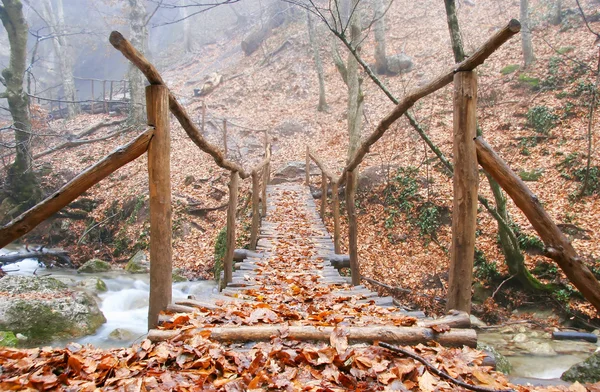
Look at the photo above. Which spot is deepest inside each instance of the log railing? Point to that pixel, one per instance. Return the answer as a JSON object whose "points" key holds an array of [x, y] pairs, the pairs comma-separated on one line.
{"points": [[469, 152], [155, 141]]}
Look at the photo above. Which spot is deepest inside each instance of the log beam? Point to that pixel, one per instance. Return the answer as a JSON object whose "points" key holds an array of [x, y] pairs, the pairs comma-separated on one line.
{"points": [[394, 335], [28, 220], [558, 247]]}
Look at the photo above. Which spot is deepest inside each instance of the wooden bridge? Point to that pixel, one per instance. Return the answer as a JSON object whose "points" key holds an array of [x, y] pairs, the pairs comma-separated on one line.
{"points": [[288, 289]]}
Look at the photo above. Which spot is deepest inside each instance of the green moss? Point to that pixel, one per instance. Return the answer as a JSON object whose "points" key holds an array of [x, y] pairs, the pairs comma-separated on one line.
{"points": [[529, 81], [509, 69], [8, 339], [220, 248], [502, 364], [94, 266], [565, 49], [100, 285], [533, 175], [541, 118], [587, 371], [38, 321]]}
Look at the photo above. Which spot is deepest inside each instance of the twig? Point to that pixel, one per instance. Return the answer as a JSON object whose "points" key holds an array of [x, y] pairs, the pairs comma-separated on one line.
{"points": [[501, 284], [438, 372], [94, 226], [401, 289]]}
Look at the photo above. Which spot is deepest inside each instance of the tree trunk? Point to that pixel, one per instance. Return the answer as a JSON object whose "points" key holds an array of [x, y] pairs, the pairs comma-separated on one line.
{"points": [[528, 56], [139, 39], [555, 16], [381, 65], [187, 30], [312, 36], [454, 27], [56, 20], [21, 182], [355, 95]]}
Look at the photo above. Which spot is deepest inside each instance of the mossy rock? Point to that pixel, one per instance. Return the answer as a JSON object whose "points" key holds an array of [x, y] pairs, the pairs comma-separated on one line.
{"points": [[8, 339], [178, 276], [121, 335], [48, 312], [94, 285], [138, 264], [587, 371], [502, 364], [94, 266]]}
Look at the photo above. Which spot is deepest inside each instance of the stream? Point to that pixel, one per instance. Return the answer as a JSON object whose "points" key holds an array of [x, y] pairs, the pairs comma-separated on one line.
{"points": [[533, 355]]}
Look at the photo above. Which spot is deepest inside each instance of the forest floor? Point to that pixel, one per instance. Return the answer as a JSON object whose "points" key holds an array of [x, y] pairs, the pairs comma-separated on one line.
{"points": [[400, 245]]}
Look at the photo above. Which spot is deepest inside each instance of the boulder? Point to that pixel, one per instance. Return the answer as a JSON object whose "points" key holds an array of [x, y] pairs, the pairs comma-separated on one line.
{"points": [[45, 310], [374, 176], [540, 349], [587, 371], [94, 266], [121, 335], [288, 128], [138, 264], [178, 276], [399, 63], [93, 285], [293, 172], [495, 359]]}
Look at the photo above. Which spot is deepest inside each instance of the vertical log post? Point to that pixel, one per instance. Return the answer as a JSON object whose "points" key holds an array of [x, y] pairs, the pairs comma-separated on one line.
{"points": [[266, 177], [352, 227], [93, 97], [335, 198], [307, 171], [464, 211], [125, 90], [203, 117], [51, 103], [159, 172], [255, 213], [323, 195], [104, 96], [225, 137], [110, 97], [233, 196]]}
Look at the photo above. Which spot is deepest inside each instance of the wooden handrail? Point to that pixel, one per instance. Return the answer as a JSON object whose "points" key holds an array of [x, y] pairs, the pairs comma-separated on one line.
{"points": [[121, 44], [469, 64], [320, 164], [28, 220], [558, 246], [255, 195]]}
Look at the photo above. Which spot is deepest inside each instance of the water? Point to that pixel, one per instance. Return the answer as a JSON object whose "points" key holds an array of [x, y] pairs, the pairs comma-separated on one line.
{"points": [[124, 304]]}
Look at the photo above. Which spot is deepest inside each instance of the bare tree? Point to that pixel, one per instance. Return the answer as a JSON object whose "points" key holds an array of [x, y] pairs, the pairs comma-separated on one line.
{"points": [[556, 12], [187, 31], [527, 44], [312, 36], [55, 18], [381, 62], [21, 181], [138, 22]]}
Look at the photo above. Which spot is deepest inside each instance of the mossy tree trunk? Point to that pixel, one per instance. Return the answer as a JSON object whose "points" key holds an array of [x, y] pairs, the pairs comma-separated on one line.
{"points": [[21, 181], [513, 256], [526, 41], [139, 39], [381, 65]]}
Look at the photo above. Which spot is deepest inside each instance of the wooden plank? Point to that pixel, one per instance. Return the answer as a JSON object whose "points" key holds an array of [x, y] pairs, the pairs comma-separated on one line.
{"points": [[159, 172], [231, 210], [558, 247], [28, 220], [394, 335], [464, 211]]}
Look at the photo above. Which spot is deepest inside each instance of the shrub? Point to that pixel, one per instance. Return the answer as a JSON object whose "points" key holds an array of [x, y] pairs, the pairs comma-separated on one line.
{"points": [[220, 248], [541, 118]]}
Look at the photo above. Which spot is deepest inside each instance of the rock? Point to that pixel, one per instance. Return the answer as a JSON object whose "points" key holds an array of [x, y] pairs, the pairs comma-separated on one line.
{"points": [[8, 339], [288, 128], [374, 176], [481, 293], [121, 335], [178, 276], [520, 338], [399, 63], [45, 310], [138, 264], [93, 285], [94, 266], [542, 349], [477, 323], [495, 359], [293, 172], [587, 371]]}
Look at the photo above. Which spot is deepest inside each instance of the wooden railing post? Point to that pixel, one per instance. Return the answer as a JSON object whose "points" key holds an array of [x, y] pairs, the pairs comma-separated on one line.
{"points": [[307, 171], [323, 195], [159, 171], [233, 197], [464, 211], [352, 227], [93, 97], [225, 137], [335, 198], [266, 177], [104, 96], [255, 213]]}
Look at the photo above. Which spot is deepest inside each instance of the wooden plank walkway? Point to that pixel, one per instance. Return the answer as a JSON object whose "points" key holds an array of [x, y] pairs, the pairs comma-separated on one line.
{"points": [[290, 287]]}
